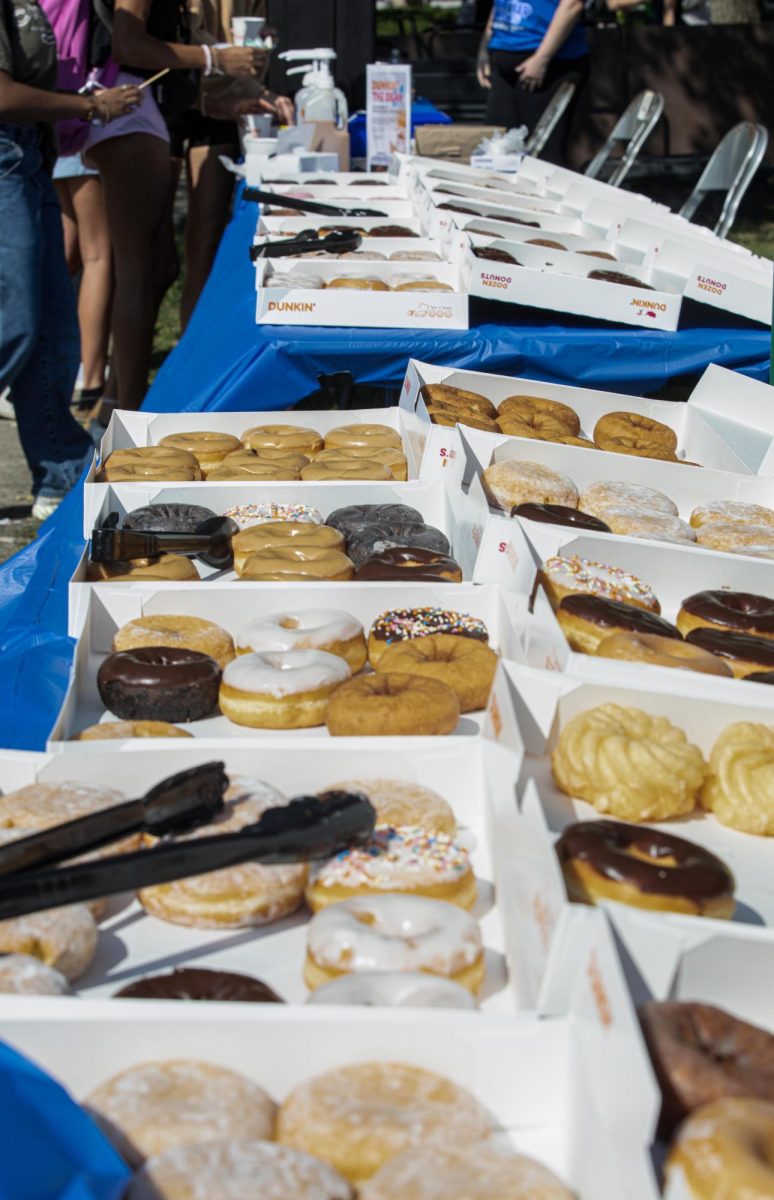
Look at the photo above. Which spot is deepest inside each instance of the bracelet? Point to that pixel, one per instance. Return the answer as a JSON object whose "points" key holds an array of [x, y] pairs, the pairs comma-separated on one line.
{"points": [[216, 67], [207, 59]]}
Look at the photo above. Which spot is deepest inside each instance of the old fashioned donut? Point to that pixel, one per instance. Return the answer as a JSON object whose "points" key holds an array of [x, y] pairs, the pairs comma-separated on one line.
{"points": [[274, 534], [159, 683], [358, 1117], [468, 666], [149, 462], [199, 983], [375, 540], [164, 567], [359, 283], [627, 763], [739, 788], [108, 730], [367, 933], [26, 975], [743, 652], [356, 517], [282, 437], [569, 576], [398, 625], [393, 989], [209, 449], [731, 512], [607, 860], [634, 523], [398, 802], [633, 430], [449, 417], [726, 1148], [363, 434], [168, 518], [297, 564], [188, 633], [281, 690], [587, 620], [701, 1054], [411, 563], [328, 629], [347, 468], [535, 408], [736, 538], [157, 1106], [62, 938], [618, 493], [513, 482], [656, 651], [246, 515], [560, 514], [738, 612], [454, 397], [392, 705], [478, 1172]]}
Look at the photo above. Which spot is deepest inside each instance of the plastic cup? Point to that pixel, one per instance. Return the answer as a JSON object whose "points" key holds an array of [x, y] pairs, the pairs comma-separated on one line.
{"points": [[246, 31]]}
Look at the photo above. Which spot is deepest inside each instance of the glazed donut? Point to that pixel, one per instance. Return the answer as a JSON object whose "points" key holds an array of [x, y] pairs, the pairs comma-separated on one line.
{"points": [[739, 789], [410, 932], [157, 1106], [393, 989], [237, 1170], [297, 564], [738, 612], [187, 633], [701, 1054], [656, 651], [297, 278], [607, 860], [209, 449], [347, 468], [629, 764], [414, 256], [258, 470], [245, 515], [360, 283], [560, 514], [164, 568], [560, 577], [744, 653], [356, 517], [198, 983], [588, 620], [41, 805], [24, 974], [232, 897], [630, 429], [534, 409], [454, 397], [358, 1117], [512, 482], [478, 1172], [737, 538], [400, 803], [168, 518], [392, 706], [615, 494], [374, 436], [149, 462], [630, 522], [107, 730], [159, 683], [287, 690], [726, 1148], [410, 563], [376, 539], [398, 625], [275, 534], [731, 512], [327, 629], [467, 666], [62, 938], [282, 437]]}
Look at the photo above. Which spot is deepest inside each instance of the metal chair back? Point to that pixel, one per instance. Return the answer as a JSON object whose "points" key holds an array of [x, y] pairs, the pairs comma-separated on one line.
{"points": [[731, 169], [550, 117], [631, 130]]}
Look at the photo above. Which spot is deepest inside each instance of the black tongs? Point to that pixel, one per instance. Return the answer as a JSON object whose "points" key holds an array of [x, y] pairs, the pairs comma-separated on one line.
{"points": [[307, 242], [210, 541], [309, 827], [310, 206]]}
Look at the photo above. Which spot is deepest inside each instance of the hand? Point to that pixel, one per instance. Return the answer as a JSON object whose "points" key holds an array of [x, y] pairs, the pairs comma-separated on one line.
{"points": [[532, 73], [238, 60], [280, 106], [116, 102], [484, 67]]}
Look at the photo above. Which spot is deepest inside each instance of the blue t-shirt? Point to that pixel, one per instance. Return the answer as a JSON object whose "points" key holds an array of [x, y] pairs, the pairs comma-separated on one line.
{"points": [[520, 25]]}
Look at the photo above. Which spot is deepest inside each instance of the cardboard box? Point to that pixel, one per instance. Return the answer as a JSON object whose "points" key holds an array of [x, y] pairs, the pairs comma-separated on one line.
{"points": [[742, 411], [453, 142], [276, 226]]}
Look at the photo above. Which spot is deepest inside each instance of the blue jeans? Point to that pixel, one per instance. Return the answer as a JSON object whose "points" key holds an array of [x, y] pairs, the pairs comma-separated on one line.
{"points": [[39, 338]]}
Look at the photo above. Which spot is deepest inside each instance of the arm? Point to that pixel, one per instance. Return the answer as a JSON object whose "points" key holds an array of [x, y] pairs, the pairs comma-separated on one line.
{"points": [[483, 68], [670, 12], [31, 105], [134, 46], [532, 71]]}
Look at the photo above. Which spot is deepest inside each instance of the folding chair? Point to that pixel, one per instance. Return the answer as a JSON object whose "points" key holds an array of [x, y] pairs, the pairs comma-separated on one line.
{"points": [[549, 118], [731, 169], [632, 128]]}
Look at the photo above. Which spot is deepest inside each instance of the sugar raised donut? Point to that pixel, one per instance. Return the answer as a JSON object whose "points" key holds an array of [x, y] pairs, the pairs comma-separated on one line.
{"points": [[328, 629], [739, 788], [731, 512], [513, 482], [26, 975], [107, 730], [281, 690], [656, 651], [482, 1171], [190, 633], [62, 938], [618, 493], [392, 706], [465, 664], [41, 805]]}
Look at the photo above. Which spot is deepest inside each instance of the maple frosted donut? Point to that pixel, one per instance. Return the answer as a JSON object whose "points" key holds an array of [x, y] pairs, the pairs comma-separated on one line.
{"points": [[726, 1149], [272, 534], [731, 512], [297, 564], [24, 974], [62, 938], [107, 730], [383, 705], [393, 989], [358, 1117], [408, 860], [466, 665], [394, 933], [164, 567], [376, 436], [246, 515], [347, 468], [149, 462], [484, 1171], [392, 458], [588, 620], [513, 482], [737, 612], [574, 575], [735, 537], [157, 1106], [289, 690], [398, 802], [617, 493], [328, 629], [209, 449], [427, 284], [656, 651], [397, 625], [257, 469], [282, 437], [190, 633], [633, 523], [293, 460]]}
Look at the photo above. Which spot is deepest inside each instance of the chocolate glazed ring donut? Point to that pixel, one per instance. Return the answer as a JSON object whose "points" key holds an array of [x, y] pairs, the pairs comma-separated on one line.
{"points": [[359, 516], [744, 653], [604, 615], [159, 683], [198, 983], [701, 1053], [739, 612], [168, 518], [491, 252], [375, 539], [619, 277], [411, 564], [559, 514]]}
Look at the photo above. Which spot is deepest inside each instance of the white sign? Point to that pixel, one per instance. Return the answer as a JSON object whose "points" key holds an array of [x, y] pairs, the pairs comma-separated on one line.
{"points": [[388, 108]]}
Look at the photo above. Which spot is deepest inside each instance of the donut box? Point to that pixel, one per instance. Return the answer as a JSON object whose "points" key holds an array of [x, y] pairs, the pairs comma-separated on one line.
{"points": [[277, 226], [393, 203], [732, 283]]}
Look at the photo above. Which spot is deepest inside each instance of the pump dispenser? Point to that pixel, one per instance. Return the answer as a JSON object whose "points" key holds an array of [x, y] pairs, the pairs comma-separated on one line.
{"points": [[319, 99]]}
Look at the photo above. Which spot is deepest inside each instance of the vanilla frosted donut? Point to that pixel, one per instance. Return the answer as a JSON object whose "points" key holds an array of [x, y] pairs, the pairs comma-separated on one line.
{"points": [[375, 436], [246, 515], [398, 802], [157, 1106], [207, 448], [514, 482], [272, 534], [617, 493], [394, 933], [571, 576], [347, 468], [393, 989], [485, 1171], [297, 564], [328, 629], [287, 690], [282, 437], [23, 974], [190, 633], [62, 938], [237, 1170], [164, 567], [731, 512]]}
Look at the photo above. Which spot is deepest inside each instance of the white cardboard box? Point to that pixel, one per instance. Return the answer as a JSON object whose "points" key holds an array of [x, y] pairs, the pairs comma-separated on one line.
{"points": [[276, 226]]}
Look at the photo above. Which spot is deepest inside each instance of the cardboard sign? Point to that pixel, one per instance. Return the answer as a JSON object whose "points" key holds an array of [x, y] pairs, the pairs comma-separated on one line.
{"points": [[388, 112]]}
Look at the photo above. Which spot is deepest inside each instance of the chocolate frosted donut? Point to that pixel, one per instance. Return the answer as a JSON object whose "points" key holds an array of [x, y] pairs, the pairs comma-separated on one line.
{"points": [[619, 277], [412, 564], [198, 983], [491, 252], [701, 1053], [516, 221], [587, 620], [545, 242], [356, 517], [374, 539], [760, 677], [159, 683], [560, 514], [459, 208], [744, 653], [168, 518], [739, 612], [392, 231]]}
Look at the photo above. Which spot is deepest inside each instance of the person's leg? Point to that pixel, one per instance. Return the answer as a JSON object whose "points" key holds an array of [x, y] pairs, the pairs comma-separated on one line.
{"points": [[96, 288], [574, 70], [512, 105], [69, 224], [209, 196], [505, 101]]}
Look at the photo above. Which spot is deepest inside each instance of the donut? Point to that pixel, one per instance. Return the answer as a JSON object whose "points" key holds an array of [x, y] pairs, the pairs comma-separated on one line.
{"points": [[360, 283], [744, 653], [454, 397], [549, 245], [560, 577], [107, 730], [209, 449], [237, 1169], [41, 805], [308, 280], [392, 706], [587, 620], [725, 1149], [26, 975], [410, 563], [415, 256], [702, 1054], [199, 983], [168, 518], [449, 417], [159, 683], [512, 482], [358, 1117], [372, 255], [294, 459], [62, 938], [536, 426], [297, 564], [272, 534], [281, 690], [656, 651], [627, 763], [245, 515], [534, 409], [560, 514], [607, 860], [760, 677], [282, 437], [569, 440], [374, 436], [738, 612], [627, 429], [620, 278], [347, 468], [157, 1106], [640, 447], [187, 633], [479, 1172], [327, 629], [739, 789], [393, 989], [149, 462], [731, 512], [491, 253], [617, 493], [400, 803], [737, 538], [397, 625], [633, 523], [391, 231], [410, 932], [344, 455], [426, 284], [376, 539], [356, 517], [598, 254], [258, 470], [164, 567], [466, 665]]}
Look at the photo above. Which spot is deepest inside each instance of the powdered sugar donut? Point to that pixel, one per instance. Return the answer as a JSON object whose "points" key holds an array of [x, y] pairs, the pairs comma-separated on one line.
{"points": [[633, 522], [399, 802], [246, 515], [23, 974], [62, 938], [41, 805], [514, 482], [328, 629], [287, 690], [731, 512], [617, 493], [480, 1172]]}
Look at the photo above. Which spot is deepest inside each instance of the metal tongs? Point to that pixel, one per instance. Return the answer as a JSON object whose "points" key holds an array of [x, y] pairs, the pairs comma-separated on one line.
{"points": [[309, 827], [210, 541], [307, 206], [307, 242]]}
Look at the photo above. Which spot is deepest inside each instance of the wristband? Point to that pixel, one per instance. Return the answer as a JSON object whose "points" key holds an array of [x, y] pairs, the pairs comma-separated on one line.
{"points": [[207, 59]]}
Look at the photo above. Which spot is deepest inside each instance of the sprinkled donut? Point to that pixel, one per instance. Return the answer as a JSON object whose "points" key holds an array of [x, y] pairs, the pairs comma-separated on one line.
{"points": [[562, 577], [402, 624], [287, 690], [246, 515], [328, 629]]}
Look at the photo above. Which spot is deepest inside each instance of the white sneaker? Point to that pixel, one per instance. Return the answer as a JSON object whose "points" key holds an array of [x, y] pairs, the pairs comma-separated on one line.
{"points": [[45, 506], [7, 410]]}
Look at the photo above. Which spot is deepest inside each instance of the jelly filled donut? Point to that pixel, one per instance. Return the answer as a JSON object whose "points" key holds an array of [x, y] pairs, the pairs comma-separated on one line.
{"points": [[289, 690], [513, 482], [24, 974], [744, 653], [327, 629], [107, 730], [653, 650], [560, 577], [392, 705], [737, 612], [159, 683], [410, 563], [398, 625], [468, 666], [607, 860], [587, 620], [393, 989]]}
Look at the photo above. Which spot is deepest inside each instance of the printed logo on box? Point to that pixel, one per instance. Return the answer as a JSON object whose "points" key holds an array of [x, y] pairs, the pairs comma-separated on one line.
{"points": [[508, 549], [495, 281], [711, 285], [430, 312], [447, 452], [543, 920], [296, 306], [648, 307], [599, 991], [475, 534], [552, 662], [496, 716]]}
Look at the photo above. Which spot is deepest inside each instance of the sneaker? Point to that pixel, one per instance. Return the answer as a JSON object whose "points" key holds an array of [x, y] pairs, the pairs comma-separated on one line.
{"points": [[58, 480], [45, 506], [7, 410]]}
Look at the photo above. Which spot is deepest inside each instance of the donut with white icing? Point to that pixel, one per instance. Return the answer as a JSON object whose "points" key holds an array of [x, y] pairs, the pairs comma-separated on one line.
{"points": [[329, 629], [393, 989], [570, 576], [284, 690]]}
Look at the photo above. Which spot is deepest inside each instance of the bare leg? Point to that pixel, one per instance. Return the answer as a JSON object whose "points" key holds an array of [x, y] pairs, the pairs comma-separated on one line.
{"points": [[209, 196], [69, 224], [97, 280]]}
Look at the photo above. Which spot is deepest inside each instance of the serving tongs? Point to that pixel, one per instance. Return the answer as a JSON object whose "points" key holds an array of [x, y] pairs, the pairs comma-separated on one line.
{"points": [[307, 206], [307, 242], [210, 541], [309, 827]]}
